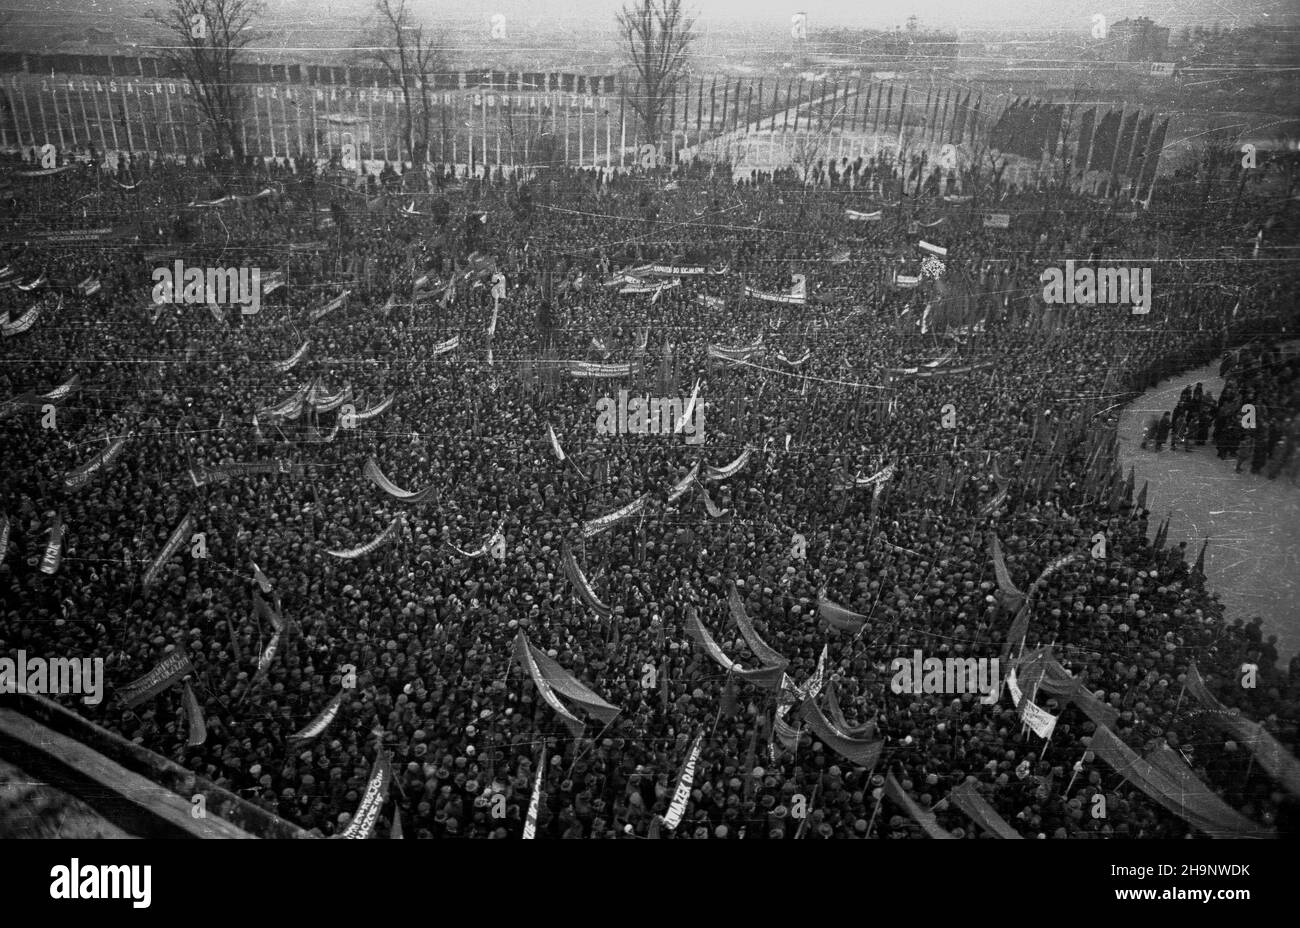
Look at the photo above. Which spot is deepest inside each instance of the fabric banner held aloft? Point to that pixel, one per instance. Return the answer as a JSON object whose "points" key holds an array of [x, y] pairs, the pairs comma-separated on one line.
{"points": [[995, 503], [710, 506], [609, 520], [1040, 721], [685, 780], [580, 583], [695, 628], [734, 355], [812, 687], [590, 369], [22, 323], [264, 611], [378, 409], [683, 270], [287, 409], [884, 475], [316, 727], [1040, 670], [53, 555], [487, 543], [1198, 805], [766, 677], [679, 489], [838, 617], [785, 733], [5, 527], [967, 798], [652, 287], [858, 216], [174, 542], [410, 497], [1018, 630], [198, 732], [534, 802], [289, 363], [442, 348], [727, 471], [862, 752], [1271, 753], [689, 411], [836, 717], [1002, 574], [555, 444], [266, 658], [327, 403], [568, 686], [363, 822], [1057, 565], [175, 666], [923, 817], [756, 645], [524, 654], [793, 298], [63, 390], [219, 473], [353, 553], [81, 476], [945, 371], [329, 307]]}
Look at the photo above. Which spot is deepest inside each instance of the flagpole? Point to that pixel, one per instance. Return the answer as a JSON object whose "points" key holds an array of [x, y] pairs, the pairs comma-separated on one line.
{"points": [[718, 716], [874, 813]]}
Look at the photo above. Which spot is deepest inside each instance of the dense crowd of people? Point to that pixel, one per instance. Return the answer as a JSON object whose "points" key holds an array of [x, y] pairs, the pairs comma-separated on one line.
{"points": [[1253, 421], [995, 440]]}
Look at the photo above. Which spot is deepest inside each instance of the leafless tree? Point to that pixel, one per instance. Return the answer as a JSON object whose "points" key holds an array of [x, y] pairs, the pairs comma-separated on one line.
{"points": [[211, 36], [525, 139], [399, 45], [806, 149], [996, 162], [658, 35]]}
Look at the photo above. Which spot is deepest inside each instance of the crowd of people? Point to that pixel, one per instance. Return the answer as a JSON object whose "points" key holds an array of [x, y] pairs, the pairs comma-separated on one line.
{"points": [[995, 440], [1253, 422]]}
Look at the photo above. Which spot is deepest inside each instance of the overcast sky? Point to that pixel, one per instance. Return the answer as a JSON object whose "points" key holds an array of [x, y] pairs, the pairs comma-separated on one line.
{"points": [[1025, 13], [326, 16]]}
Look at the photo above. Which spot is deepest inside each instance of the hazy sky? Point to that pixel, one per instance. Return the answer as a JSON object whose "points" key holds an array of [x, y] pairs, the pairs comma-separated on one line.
{"points": [[1025, 13], [323, 17]]}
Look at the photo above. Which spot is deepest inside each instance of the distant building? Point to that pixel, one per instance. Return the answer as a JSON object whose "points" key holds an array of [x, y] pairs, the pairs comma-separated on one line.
{"points": [[1137, 40], [864, 45]]}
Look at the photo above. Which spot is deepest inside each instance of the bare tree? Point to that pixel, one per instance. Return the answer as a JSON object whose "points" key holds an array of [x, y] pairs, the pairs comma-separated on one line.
{"points": [[396, 43], [658, 35], [212, 35], [807, 149], [525, 140]]}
